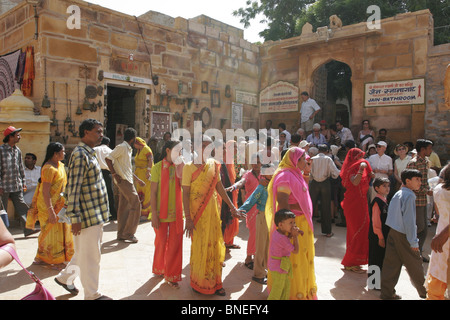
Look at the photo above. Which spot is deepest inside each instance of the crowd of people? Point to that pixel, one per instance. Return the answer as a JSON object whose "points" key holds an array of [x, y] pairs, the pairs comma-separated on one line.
{"points": [[379, 192]]}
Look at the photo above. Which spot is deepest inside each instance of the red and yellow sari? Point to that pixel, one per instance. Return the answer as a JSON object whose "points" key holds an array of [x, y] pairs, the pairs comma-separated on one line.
{"points": [[168, 259], [207, 248]]}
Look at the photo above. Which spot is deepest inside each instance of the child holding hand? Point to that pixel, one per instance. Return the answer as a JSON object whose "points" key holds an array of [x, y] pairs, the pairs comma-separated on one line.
{"points": [[259, 198], [280, 249]]}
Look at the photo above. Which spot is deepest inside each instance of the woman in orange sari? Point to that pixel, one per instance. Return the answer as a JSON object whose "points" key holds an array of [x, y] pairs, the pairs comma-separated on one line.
{"points": [[167, 218], [55, 242], [201, 183], [356, 174], [144, 163]]}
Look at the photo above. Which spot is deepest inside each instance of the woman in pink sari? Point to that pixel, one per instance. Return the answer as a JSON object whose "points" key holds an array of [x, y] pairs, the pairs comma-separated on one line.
{"points": [[250, 181], [356, 174], [288, 189]]}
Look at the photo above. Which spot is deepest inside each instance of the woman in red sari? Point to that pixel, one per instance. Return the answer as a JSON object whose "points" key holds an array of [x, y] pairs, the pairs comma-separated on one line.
{"points": [[356, 174]]}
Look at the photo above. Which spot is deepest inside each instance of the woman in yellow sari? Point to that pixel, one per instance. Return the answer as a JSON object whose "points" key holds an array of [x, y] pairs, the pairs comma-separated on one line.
{"points": [[55, 242], [288, 189], [201, 183], [144, 163]]}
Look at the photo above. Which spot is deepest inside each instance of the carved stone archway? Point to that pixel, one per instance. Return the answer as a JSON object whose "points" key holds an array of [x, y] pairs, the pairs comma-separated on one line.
{"points": [[332, 89]]}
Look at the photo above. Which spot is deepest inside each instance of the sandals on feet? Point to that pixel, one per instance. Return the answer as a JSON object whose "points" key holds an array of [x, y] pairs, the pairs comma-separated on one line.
{"points": [[221, 292], [249, 265], [173, 284], [260, 280], [71, 288], [356, 269], [129, 240]]}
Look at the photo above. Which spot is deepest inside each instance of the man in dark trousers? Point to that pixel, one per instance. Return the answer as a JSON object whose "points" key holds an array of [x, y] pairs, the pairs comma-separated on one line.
{"points": [[420, 162], [322, 169], [12, 175]]}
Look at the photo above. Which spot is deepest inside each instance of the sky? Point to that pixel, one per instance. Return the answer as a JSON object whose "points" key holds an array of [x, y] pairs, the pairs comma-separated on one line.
{"points": [[217, 9]]}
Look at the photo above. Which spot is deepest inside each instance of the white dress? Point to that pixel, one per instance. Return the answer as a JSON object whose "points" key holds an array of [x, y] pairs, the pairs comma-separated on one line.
{"points": [[438, 261]]}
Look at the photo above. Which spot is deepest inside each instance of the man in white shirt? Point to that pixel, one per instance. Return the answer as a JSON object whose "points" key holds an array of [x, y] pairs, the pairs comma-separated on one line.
{"points": [[308, 111], [322, 169], [102, 151], [129, 210], [282, 129], [344, 133], [381, 165], [32, 176]]}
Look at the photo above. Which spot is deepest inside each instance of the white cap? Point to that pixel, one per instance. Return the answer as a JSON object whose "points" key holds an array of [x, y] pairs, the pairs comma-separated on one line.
{"points": [[303, 144]]}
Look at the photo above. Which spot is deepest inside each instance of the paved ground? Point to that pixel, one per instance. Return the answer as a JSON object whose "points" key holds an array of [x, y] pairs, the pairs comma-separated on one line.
{"points": [[126, 271]]}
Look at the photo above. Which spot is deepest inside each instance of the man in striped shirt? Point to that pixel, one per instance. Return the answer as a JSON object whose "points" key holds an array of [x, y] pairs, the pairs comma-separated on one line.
{"points": [[87, 208]]}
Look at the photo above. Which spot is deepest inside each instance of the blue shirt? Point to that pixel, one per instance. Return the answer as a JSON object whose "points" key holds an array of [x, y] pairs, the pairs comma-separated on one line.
{"points": [[258, 197], [402, 215], [316, 141]]}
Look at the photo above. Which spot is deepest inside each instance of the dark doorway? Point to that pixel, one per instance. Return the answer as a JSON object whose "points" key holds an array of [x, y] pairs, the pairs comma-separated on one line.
{"points": [[333, 91], [121, 112]]}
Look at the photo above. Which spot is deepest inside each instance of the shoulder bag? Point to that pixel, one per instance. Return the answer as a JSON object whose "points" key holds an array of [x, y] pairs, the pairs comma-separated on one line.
{"points": [[39, 292]]}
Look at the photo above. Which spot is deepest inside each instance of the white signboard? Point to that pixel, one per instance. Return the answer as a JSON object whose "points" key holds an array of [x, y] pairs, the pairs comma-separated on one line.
{"points": [[121, 77], [246, 98], [279, 97], [237, 114], [394, 93]]}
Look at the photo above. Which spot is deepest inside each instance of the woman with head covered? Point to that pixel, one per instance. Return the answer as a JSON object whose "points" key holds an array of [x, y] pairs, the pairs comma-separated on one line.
{"points": [[201, 186], [288, 189], [356, 174]]}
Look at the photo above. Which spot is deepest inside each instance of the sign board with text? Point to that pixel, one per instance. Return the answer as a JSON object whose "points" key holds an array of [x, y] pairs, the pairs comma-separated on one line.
{"points": [[237, 115], [246, 98], [394, 93], [279, 97]]}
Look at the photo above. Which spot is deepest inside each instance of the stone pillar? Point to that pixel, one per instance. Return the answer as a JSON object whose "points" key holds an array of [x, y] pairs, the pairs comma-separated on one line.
{"points": [[17, 111]]}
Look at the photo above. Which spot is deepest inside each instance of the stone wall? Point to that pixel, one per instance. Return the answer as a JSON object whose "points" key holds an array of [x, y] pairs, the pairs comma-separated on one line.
{"points": [[6, 5], [437, 116], [16, 28], [183, 55], [399, 51], [218, 25]]}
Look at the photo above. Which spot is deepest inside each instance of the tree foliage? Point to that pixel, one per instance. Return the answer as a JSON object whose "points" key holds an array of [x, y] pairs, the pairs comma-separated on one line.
{"points": [[281, 16], [285, 18]]}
